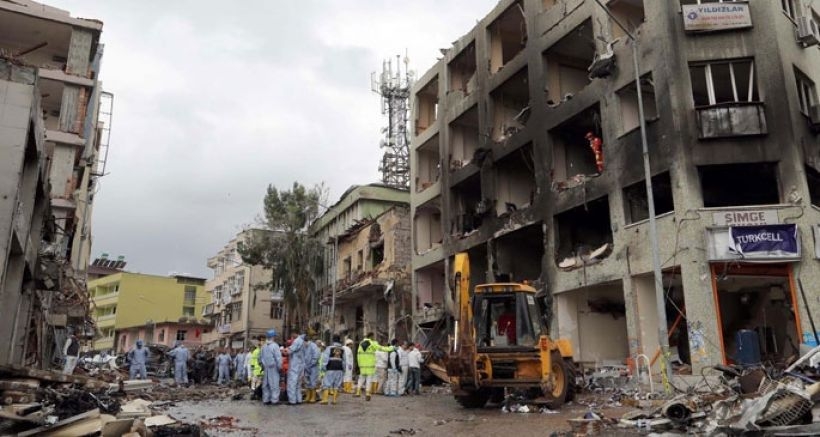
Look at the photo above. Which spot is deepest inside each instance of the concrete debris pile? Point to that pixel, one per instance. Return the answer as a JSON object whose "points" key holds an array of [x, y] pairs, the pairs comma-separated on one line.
{"points": [[46, 403]]}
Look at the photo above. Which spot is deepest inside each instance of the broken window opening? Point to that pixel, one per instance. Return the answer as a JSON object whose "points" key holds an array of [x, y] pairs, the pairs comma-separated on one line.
{"points": [[566, 64], [430, 287], [508, 36], [813, 179], [583, 234], [428, 170], [346, 268], [463, 71], [637, 205], [573, 153], [427, 106], [464, 139], [428, 229], [479, 267], [676, 323], [629, 12], [510, 106], [518, 255], [628, 99], [359, 261], [806, 93], [739, 184], [515, 180], [376, 255], [791, 8], [723, 82], [584, 314], [469, 206]]}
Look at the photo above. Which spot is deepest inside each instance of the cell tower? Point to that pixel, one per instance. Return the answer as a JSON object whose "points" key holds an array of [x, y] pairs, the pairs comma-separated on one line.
{"points": [[394, 88]]}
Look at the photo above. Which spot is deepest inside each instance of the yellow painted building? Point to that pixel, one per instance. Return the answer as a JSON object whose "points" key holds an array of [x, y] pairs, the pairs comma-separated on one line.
{"points": [[127, 300]]}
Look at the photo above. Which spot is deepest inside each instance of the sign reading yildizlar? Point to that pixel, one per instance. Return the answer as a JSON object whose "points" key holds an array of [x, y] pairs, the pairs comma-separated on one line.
{"points": [[745, 217], [716, 16]]}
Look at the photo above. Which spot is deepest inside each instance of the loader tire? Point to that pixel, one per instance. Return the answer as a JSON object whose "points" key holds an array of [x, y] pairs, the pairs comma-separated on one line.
{"points": [[476, 399], [560, 382]]}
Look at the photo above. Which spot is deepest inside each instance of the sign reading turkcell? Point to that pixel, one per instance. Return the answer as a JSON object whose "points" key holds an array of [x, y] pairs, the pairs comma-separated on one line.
{"points": [[716, 16], [764, 240]]}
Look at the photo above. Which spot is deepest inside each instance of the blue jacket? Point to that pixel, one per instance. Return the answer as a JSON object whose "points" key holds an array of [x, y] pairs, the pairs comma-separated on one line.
{"points": [[312, 354], [180, 354], [271, 356]]}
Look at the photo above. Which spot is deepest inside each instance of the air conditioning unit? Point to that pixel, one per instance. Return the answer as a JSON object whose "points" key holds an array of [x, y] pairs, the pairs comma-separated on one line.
{"points": [[807, 31], [814, 117]]}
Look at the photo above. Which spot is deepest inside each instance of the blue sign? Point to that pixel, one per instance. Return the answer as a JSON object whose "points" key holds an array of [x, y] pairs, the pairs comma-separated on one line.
{"points": [[764, 240]]}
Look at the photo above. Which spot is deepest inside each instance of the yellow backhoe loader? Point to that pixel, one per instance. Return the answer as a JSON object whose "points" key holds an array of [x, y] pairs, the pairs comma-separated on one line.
{"points": [[502, 342]]}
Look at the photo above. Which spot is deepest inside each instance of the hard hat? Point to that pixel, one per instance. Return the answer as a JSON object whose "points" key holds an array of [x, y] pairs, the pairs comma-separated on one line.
{"points": [[271, 333]]}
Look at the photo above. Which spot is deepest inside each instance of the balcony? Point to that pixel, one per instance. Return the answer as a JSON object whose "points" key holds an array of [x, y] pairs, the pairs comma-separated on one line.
{"points": [[731, 120]]}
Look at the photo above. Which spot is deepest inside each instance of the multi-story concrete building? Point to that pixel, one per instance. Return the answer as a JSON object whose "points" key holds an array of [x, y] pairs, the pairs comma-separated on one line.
{"points": [[367, 240], [503, 168], [127, 305], [50, 149], [242, 304]]}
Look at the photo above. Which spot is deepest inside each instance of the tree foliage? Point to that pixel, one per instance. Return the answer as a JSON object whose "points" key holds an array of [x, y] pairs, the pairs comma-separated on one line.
{"points": [[286, 248]]}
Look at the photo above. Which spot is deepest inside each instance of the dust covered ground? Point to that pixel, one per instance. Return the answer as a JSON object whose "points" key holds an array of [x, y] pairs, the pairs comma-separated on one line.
{"points": [[432, 413]]}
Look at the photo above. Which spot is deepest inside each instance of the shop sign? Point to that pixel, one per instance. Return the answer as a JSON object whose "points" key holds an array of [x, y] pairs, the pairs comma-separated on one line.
{"points": [[716, 16], [764, 240], [745, 217]]}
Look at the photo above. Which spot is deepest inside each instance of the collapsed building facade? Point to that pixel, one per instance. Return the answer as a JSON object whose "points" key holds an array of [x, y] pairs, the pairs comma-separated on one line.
{"points": [[366, 263], [526, 154], [53, 143]]}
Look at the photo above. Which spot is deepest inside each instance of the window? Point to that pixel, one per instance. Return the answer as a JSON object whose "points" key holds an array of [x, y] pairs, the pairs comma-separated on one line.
{"points": [[181, 335], [218, 294], [739, 184], [346, 267], [359, 260], [188, 311], [813, 179], [723, 82], [240, 281], [635, 201], [791, 8], [628, 99], [277, 311], [236, 310], [806, 93], [190, 295], [161, 337]]}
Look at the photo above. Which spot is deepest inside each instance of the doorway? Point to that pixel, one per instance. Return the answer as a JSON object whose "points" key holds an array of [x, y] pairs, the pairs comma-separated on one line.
{"points": [[761, 301]]}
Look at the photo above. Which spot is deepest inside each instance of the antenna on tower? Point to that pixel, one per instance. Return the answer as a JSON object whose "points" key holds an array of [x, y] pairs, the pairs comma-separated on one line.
{"points": [[394, 88]]}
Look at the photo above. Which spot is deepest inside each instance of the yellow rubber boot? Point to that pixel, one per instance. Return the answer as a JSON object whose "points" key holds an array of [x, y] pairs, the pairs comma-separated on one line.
{"points": [[367, 395], [348, 387], [325, 394], [374, 388], [335, 393], [358, 392], [313, 396]]}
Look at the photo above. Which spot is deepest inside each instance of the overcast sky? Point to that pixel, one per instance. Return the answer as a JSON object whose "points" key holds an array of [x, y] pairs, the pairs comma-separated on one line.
{"points": [[215, 100]]}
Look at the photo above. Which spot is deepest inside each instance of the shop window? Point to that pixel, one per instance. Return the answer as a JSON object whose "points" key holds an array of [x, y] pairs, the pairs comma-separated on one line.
{"points": [[635, 200], [739, 184], [510, 106], [468, 206], [628, 99], [566, 64], [428, 168], [582, 232], [427, 106], [508, 36], [806, 93], [813, 179], [462, 70], [463, 139], [629, 12], [723, 82], [515, 180], [518, 255], [572, 153]]}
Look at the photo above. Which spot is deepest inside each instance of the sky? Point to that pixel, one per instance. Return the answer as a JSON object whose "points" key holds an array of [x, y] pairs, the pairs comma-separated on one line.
{"points": [[215, 100]]}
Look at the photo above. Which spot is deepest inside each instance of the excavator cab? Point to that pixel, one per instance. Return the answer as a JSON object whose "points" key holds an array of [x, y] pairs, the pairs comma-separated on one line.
{"points": [[502, 342]]}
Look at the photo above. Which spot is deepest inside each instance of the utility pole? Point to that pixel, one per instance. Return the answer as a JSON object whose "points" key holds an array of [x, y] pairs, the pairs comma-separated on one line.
{"points": [[660, 296]]}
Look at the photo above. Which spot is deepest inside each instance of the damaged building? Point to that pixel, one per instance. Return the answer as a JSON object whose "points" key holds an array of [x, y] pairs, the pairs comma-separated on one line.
{"points": [[526, 154], [54, 126], [367, 263]]}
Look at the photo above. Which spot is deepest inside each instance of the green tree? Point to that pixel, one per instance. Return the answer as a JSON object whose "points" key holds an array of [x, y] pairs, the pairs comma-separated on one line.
{"points": [[293, 257]]}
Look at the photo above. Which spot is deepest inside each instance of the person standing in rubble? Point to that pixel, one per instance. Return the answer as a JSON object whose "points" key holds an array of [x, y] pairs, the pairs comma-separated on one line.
{"points": [[239, 366], [270, 358], [348, 377], [296, 365], [405, 368], [333, 364], [255, 366], [180, 355], [138, 356], [312, 356], [71, 351], [393, 370], [414, 361], [381, 372], [223, 364], [366, 357]]}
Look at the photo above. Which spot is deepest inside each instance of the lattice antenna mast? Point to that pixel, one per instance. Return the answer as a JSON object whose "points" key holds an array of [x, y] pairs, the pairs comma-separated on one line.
{"points": [[394, 88]]}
